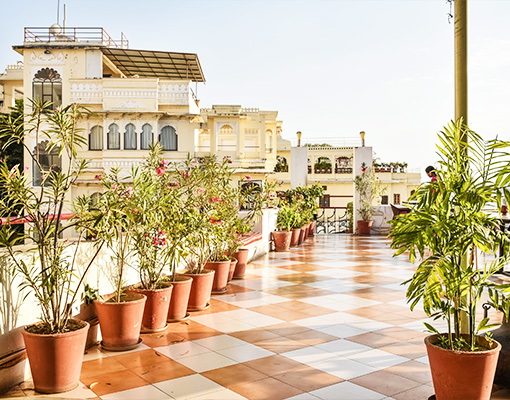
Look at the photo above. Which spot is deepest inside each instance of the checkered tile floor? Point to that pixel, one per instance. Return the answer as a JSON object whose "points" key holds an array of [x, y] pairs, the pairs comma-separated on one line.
{"points": [[327, 320]]}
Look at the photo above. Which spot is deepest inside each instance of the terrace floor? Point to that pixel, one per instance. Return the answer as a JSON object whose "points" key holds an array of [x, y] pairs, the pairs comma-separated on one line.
{"points": [[328, 320]]}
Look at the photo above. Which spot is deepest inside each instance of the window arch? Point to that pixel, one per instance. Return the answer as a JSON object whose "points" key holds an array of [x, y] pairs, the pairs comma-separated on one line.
{"points": [[49, 161], [130, 137], [47, 87], [227, 130], [269, 140], [96, 138], [168, 138], [146, 137], [113, 137]]}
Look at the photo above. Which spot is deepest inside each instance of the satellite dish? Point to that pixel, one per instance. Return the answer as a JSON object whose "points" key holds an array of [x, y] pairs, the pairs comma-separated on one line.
{"points": [[55, 29]]}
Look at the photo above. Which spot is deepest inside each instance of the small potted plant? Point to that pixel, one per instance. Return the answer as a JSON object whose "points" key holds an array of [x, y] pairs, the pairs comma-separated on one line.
{"points": [[284, 223], [369, 189], [445, 233]]}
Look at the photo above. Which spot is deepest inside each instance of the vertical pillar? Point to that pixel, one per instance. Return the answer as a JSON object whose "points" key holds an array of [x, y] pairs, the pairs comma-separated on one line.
{"points": [[361, 155], [298, 167]]}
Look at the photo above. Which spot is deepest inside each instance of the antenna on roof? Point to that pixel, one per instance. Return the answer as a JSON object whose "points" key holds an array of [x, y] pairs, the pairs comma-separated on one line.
{"points": [[58, 11]]}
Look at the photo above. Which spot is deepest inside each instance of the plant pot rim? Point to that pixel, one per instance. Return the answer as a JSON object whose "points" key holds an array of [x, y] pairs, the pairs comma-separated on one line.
{"points": [[203, 272], [136, 287], [431, 340], [84, 325], [135, 297]]}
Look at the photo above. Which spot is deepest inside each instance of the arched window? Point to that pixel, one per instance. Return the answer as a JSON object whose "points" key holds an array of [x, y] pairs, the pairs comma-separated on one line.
{"points": [[113, 137], [146, 137], [47, 86], [269, 141], [96, 138], [281, 164], [168, 138], [227, 130], [130, 137], [49, 161]]}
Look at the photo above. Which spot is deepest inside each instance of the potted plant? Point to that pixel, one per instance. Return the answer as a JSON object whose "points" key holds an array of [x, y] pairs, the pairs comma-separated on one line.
{"points": [[445, 232], [284, 222], [113, 221], [55, 345], [157, 217], [369, 189], [349, 210], [88, 313]]}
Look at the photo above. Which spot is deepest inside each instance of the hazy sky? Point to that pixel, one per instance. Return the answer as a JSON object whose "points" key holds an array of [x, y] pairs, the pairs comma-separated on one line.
{"points": [[330, 68]]}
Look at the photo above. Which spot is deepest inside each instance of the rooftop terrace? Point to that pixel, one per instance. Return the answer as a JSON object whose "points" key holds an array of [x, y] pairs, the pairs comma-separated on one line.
{"points": [[327, 320]]}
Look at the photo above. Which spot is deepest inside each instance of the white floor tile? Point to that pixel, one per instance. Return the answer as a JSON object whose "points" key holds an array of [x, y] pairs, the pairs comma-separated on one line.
{"points": [[224, 394], [245, 352], [181, 350], [144, 392], [378, 359], [346, 391], [188, 387], [206, 362], [219, 342], [343, 368]]}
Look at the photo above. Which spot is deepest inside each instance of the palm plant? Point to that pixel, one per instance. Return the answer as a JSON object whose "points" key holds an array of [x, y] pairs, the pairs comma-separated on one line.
{"points": [[49, 271], [448, 229]]}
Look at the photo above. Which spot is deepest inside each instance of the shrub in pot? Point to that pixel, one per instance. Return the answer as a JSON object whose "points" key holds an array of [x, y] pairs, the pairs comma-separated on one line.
{"points": [[112, 220], [284, 222], [445, 232], [369, 189], [55, 345]]}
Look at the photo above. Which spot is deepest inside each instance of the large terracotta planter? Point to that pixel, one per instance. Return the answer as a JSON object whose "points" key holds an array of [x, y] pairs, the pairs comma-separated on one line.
{"points": [[156, 306], [233, 264], [221, 270], [364, 227], [179, 300], [294, 240], [311, 231], [282, 240], [462, 375], [242, 259], [502, 335], [120, 323], [201, 288], [55, 359], [13, 359]]}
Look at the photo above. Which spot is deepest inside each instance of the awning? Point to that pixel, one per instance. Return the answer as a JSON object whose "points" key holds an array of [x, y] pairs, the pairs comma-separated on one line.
{"points": [[156, 64]]}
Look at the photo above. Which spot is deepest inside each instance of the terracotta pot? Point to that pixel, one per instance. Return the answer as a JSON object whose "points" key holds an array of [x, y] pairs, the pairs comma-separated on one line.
{"points": [[233, 264], [242, 259], [120, 323], [88, 313], [302, 234], [462, 375], [311, 231], [364, 227], [282, 240], [221, 270], [294, 240], [179, 299], [201, 288], [55, 359], [156, 306], [13, 359]]}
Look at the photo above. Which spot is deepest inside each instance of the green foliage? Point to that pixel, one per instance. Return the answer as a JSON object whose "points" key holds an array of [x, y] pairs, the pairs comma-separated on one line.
{"points": [[350, 215], [286, 218], [369, 189], [448, 228], [304, 202], [49, 272]]}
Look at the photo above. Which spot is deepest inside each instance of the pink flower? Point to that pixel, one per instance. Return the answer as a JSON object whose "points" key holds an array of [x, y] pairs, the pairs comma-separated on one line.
{"points": [[214, 199], [115, 187], [164, 163], [155, 241], [163, 242], [219, 222], [212, 220], [248, 177], [160, 171], [97, 177], [43, 176], [26, 168], [201, 191]]}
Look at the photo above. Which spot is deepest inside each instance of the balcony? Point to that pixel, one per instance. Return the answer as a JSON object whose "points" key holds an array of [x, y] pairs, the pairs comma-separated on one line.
{"points": [[146, 94], [55, 34]]}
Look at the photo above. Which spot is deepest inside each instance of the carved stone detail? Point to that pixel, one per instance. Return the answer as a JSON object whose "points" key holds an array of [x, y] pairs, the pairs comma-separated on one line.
{"points": [[47, 59], [130, 104], [89, 93]]}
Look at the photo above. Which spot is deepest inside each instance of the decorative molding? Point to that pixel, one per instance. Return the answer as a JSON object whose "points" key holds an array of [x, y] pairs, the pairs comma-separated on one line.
{"points": [[173, 94], [130, 104], [47, 59], [130, 93], [87, 93], [233, 124]]}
